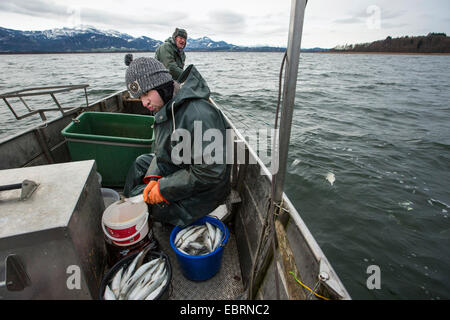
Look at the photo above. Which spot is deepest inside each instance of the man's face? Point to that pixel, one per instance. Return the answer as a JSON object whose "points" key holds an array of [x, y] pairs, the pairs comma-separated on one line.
{"points": [[180, 42], [152, 101]]}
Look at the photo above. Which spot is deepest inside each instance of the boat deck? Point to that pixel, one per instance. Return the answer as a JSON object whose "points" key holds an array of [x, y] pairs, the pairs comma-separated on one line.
{"points": [[225, 285]]}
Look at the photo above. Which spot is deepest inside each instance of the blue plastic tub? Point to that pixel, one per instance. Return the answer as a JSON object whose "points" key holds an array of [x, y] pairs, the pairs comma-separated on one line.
{"points": [[200, 268]]}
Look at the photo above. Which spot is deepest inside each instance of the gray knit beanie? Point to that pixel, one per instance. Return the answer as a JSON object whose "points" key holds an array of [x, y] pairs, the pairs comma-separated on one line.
{"points": [[144, 74]]}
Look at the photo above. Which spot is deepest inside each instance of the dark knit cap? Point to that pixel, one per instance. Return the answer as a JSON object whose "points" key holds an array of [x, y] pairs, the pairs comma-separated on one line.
{"points": [[144, 74], [179, 33]]}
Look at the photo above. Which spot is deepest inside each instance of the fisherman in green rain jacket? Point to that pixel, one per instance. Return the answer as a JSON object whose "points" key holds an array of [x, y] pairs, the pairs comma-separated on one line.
{"points": [[171, 53], [182, 181]]}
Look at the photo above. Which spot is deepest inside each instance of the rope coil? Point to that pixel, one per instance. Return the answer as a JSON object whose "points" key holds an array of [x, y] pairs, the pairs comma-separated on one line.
{"points": [[306, 287]]}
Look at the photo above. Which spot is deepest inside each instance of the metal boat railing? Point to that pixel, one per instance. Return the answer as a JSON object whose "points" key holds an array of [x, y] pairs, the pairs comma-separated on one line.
{"points": [[38, 91]]}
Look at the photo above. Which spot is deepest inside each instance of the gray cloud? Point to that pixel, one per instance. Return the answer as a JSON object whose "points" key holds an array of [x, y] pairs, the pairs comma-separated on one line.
{"points": [[360, 16], [226, 17], [48, 9], [226, 21], [37, 8], [385, 14], [123, 20]]}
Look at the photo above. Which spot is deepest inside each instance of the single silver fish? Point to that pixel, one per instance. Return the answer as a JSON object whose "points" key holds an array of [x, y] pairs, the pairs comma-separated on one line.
{"points": [[217, 239], [115, 284], [130, 270], [109, 295], [211, 230], [158, 290], [209, 243], [181, 250]]}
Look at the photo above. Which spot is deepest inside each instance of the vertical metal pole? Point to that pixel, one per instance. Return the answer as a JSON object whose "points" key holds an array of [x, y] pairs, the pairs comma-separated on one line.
{"points": [[85, 94], [290, 81]]}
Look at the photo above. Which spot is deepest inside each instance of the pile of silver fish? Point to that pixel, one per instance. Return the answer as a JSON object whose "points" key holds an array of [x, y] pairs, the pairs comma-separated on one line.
{"points": [[138, 281], [197, 240]]}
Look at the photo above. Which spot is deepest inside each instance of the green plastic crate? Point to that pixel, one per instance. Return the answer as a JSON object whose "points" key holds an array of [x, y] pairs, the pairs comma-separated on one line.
{"points": [[113, 140]]}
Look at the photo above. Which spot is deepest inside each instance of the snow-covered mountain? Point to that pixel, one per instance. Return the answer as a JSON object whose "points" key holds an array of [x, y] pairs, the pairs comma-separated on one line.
{"points": [[73, 32], [206, 43], [90, 39], [80, 39]]}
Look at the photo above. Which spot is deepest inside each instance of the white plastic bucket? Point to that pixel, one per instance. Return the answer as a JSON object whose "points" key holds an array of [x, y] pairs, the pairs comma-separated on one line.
{"points": [[125, 223]]}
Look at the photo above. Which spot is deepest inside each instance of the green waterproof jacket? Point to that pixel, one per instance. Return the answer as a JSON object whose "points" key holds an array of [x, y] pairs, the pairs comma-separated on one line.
{"points": [[198, 180], [172, 58]]}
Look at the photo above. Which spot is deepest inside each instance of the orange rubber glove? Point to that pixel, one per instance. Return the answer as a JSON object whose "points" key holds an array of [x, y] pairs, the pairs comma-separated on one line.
{"points": [[148, 189], [155, 195]]}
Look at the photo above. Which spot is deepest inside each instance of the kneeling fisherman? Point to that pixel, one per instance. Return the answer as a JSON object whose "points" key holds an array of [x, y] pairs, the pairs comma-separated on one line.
{"points": [[178, 192]]}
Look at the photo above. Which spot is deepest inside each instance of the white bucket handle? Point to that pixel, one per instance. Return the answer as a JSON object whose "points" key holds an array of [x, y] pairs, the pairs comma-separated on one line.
{"points": [[129, 237]]}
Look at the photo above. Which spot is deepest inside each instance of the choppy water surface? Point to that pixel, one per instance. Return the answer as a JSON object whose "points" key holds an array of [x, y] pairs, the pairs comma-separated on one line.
{"points": [[379, 123]]}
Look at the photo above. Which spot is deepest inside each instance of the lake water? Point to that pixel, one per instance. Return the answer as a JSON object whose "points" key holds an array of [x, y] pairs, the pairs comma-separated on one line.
{"points": [[379, 123]]}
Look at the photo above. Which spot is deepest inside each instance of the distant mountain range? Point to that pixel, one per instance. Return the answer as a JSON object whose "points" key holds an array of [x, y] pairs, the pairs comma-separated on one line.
{"points": [[90, 39], [71, 40]]}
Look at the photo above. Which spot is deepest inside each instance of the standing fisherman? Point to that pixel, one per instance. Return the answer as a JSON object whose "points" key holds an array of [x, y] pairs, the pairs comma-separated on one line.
{"points": [[171, 53], [179, 191]]}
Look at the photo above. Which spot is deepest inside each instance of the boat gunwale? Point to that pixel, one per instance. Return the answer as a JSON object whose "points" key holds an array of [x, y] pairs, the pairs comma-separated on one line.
{"points": [[56, 119]]}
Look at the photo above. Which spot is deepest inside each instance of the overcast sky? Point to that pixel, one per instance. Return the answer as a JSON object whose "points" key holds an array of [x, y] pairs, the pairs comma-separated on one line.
{"points": [[242, 22]]}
